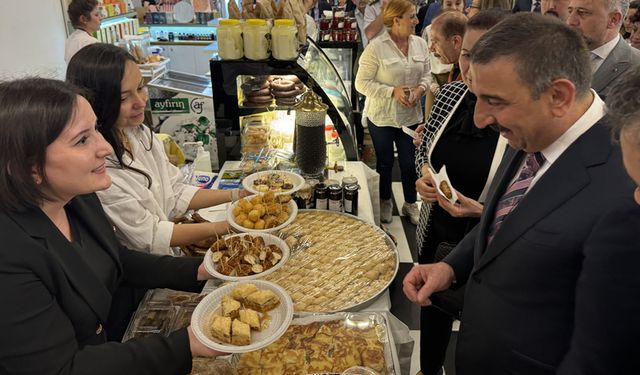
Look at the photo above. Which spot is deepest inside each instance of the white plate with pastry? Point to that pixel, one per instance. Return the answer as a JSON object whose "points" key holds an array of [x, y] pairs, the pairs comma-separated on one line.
{"points": [[262, 213], [246, 256], [278, 182], [243, 316]]}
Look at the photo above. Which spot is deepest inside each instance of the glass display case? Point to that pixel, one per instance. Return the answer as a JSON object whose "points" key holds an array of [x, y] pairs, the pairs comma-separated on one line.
{"points": [[343, 55], [244, 94]]}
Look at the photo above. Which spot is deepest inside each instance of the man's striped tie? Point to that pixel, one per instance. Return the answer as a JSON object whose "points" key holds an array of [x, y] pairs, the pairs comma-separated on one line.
{"points": [[516, 191]]}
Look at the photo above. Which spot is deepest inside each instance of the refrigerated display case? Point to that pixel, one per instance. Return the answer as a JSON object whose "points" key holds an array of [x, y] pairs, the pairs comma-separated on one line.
{"points": [[344, 56], [313, 68]]}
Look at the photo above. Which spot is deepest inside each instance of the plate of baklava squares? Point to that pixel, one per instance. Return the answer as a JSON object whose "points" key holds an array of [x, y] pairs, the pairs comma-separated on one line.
{"points": [[243, 316]]}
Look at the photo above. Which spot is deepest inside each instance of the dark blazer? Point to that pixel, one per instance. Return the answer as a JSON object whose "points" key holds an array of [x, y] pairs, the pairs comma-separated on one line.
{"points": [[522, 6], [54, 308], [622, 58], [551, 292]]}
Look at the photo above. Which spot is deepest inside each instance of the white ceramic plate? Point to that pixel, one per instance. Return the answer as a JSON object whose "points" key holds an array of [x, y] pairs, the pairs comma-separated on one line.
{"points": [[293, 211], [269, 239], [295, 179], [281, 317], [183, 12]]}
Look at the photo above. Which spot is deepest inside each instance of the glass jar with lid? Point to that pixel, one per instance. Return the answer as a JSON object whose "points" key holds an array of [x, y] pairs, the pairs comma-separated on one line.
{"points": [[284, 40], [256, 39], [230, 40]]}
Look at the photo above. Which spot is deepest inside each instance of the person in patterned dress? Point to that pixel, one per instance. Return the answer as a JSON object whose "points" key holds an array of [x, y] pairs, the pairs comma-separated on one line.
{"points": [[471, 156]]}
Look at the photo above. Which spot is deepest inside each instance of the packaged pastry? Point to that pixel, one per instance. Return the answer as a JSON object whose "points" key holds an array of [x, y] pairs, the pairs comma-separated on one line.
{"points": [[325, 344]]}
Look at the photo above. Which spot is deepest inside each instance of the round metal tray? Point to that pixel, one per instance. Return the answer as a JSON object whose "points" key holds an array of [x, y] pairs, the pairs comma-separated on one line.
{"points": [[372, 298]]}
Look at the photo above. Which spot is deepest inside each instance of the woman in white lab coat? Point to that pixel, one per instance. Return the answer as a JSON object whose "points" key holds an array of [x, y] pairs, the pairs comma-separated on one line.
{"points": [[147, 191], [85, 18]]}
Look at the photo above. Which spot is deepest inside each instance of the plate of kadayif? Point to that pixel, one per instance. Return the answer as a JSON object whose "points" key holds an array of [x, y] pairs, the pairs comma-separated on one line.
{"points": [[243, 316], [277, 182]]}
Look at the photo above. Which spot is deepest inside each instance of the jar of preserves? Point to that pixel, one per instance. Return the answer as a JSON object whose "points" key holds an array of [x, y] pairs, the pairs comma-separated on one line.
{"points": [[350, 23], [230, 46], [335, 198], [338, 19], [351, 199], [325, 23], [325, 35], [284, 40], [256, 37], [320, 196]]}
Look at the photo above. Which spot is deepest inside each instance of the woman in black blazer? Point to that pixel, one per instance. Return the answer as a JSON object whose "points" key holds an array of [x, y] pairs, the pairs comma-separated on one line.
{"points": [[60, 262]]}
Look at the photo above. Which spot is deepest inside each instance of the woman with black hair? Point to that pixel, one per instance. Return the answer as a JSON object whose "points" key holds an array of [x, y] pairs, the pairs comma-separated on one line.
{"points": [[147, 191], [60, 264], [85, 18]]}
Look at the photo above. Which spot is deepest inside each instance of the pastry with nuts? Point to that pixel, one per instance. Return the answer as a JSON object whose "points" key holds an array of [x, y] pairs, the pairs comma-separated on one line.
{"points": [[244, 255]]}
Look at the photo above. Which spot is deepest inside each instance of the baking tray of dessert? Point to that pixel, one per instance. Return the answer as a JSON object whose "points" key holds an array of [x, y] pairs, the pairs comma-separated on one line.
{"points": [[162, 311], [326, 344], [338, 262]]}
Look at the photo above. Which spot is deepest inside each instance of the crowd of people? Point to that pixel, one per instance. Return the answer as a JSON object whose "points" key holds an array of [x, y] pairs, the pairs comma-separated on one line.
{"points": [[519, 100], [536, 257]]}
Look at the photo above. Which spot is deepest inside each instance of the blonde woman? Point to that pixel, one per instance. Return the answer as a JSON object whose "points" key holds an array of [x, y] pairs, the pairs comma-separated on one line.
{"points": [[393, 75]]}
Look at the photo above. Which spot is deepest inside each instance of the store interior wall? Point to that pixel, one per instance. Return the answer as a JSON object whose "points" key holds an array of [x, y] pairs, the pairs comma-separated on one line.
{"points": [[32, 37]]}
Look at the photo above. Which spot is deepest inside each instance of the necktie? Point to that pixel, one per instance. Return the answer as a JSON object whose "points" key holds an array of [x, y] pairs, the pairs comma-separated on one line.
{"points": [[594, 61], [536, 6], [516, 191], [454, 74]]}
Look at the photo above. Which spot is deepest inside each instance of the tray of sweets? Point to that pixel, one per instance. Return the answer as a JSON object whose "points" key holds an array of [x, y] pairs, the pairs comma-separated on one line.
{"points": [[161, 311], [338, 262], [325, 344]]}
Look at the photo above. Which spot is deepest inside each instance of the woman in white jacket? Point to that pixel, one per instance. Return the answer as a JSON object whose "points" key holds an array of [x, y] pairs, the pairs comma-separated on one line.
{"points": [[393, 74], [147, 191], [85, 18]]}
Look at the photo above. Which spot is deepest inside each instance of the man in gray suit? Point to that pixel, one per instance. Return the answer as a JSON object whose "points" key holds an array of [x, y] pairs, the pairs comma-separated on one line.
{"points": [[599, 23], [554, 258]]}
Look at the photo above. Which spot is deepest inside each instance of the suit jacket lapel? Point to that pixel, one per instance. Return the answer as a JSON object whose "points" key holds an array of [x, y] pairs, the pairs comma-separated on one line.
{"points": [[96, 295], [614, 65], [548, 193]]}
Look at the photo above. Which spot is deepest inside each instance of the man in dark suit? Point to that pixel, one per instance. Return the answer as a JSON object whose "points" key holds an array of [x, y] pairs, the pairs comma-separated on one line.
{"points": [[599, 23], [522, 6], [543, 265], [624, 108]]}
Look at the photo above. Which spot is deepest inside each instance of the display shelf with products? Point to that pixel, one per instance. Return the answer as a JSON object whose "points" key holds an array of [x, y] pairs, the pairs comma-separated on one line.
{"points": [[312, 69], [181, 34]]}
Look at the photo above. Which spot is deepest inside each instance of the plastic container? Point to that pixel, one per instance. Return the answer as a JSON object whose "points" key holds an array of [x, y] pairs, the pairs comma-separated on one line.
{"points": [[284, 37], [230, 45], [202, 162], [256, 35]]}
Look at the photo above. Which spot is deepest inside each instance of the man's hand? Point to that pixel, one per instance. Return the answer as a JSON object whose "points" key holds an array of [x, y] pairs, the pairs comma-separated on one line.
{"points": [[426, 188], [464, 207], [425, 279]]}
